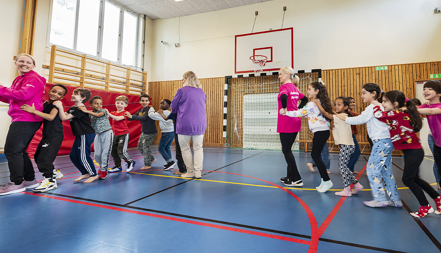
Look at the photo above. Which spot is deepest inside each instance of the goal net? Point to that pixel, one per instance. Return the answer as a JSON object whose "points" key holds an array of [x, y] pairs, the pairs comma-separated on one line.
{"points": [[252, 112]]}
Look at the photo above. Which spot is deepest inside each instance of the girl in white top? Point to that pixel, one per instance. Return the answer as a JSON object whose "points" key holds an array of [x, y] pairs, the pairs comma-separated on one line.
{"points": [[318, 125], [379, 166], [343, 136]]}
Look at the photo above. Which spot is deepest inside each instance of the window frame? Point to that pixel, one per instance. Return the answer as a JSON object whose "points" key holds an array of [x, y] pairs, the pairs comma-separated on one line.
{"points": [[139, 42]]}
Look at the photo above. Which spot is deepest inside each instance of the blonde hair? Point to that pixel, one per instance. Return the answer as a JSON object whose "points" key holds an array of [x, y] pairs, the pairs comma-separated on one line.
{"points": [[292, 75], [23, 54], [191, 80], [122, 98]]}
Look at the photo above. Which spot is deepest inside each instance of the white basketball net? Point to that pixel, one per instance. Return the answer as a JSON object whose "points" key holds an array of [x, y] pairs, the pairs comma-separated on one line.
{"points": [[259, 62]]}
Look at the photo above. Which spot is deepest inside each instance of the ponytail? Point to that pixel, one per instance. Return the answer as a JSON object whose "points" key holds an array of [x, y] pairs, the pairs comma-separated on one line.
{"points": [[415, 118]]}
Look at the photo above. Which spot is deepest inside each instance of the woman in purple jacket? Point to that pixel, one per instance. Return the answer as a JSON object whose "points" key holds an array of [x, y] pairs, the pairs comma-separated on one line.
{"points": [[27, 88], [189, 105]]}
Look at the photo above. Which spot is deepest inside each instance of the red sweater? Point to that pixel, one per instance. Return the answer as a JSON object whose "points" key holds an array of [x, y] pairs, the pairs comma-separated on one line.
{"points": [[402, 134]]}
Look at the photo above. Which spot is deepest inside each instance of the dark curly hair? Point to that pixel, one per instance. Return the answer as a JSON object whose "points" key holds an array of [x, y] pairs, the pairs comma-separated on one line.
{"points": [[323, 96]]}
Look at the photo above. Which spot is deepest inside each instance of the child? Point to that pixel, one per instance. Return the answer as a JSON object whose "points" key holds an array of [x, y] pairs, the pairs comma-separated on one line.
{"points": [[83, 132], [148, 131], [319, 126], [104, 134], [432, 92], [342, 136], [354, 157], [379, 166], [179, 158], [121, 138], [404, 122], [53, 135], [167, 132]]}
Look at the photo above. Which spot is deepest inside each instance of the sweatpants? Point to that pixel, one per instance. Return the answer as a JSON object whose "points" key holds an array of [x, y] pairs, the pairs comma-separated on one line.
{"points": [[17, 141], [379, 170], [119, 149], [181, 164], [344, 156], [196, 163], [103, 147], [80, 154], [287, 140], [412, 161], [145, 148], [46, 153], [318, 142]]}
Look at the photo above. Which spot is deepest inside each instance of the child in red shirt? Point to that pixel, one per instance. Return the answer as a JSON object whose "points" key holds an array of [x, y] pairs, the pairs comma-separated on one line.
{"points": [[121, 138], [404, 122]]}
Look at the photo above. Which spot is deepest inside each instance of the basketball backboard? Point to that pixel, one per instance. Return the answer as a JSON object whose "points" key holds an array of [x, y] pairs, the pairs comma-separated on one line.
{"points": [[276, 45]]}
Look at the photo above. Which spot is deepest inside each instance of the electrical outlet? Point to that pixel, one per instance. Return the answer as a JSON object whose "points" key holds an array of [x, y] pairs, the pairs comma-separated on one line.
{"points": [[256, 13], [437, 10]]}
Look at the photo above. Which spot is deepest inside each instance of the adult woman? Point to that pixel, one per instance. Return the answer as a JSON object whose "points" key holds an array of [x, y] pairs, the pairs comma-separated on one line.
{"points": [[189, 105], [27, 88], [288, 127]]}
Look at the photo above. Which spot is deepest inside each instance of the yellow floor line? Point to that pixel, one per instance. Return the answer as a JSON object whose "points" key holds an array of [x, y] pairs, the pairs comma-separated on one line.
{"points": [[256, 185], [429, 159]]}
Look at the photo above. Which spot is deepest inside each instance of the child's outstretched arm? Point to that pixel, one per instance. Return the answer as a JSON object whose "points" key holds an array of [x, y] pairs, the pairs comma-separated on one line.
{"points": [[155, 115], [319, 106], [429, 111], [298, 113], [117, 118], [364, 117], [98, 115], [63, 115], [31, 109]]}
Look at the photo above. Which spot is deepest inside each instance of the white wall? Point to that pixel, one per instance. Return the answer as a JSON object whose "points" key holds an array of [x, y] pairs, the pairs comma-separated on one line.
{"points": [[327, 35], [11, 13]]}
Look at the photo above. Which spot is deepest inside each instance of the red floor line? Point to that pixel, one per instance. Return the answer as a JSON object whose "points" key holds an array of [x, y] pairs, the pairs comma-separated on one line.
{"points": [[313, 222], [334, 211], [205, 224]]}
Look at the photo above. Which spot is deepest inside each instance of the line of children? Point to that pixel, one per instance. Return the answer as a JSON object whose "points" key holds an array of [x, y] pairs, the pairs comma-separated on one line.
{"points": [[104, 135], [404, 122], [121, 135], [319, 126]]}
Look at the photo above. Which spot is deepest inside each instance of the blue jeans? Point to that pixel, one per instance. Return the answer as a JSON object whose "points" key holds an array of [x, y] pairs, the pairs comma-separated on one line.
{"points": [[164, 145], [355, 155], [435, 168], [379, 171], [325, 157]]}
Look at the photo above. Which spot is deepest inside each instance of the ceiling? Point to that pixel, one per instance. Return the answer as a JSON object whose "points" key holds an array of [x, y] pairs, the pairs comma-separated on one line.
{"points": [[163, 9]]}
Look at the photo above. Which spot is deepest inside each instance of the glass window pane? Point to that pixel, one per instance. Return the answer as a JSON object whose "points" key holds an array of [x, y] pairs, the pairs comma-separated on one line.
{"points": [[129, 39], [111, 32], [140, 40], [88, 20], [63, 22]]}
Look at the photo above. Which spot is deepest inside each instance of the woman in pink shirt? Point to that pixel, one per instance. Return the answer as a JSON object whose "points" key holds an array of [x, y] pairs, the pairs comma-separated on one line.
{"points": [[288, 127], [27, 88]]}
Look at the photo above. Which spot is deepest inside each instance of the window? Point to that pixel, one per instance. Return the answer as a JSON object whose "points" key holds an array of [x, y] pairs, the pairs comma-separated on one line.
{"points": [[98, 28]]}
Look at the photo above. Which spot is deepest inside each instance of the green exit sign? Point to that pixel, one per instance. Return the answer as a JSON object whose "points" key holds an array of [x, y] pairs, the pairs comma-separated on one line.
{"points": [[435, 76], [381, 68]]}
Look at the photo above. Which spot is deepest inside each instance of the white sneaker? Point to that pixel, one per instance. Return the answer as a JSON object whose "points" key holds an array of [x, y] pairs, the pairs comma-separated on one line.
{"points": [[46, 185], [58, 174], [197, 174], [188, 175]]}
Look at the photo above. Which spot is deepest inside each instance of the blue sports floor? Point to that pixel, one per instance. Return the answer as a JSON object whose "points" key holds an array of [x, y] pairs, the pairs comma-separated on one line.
{"points": [[239, 205]]}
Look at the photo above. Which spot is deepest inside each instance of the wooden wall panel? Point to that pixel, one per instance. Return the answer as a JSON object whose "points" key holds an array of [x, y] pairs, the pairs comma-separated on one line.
{"points": [[213, 88]]}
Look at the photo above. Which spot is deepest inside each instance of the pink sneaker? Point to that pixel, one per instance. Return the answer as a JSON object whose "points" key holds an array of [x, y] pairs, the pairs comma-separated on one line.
{"points": [[357, 187], [30, 184], [438, 205], [345, 193], [11, 188]]}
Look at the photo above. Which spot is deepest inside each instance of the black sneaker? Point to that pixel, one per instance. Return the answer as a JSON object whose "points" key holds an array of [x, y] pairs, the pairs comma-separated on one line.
{"points": [[169, 165], [283, 179]]}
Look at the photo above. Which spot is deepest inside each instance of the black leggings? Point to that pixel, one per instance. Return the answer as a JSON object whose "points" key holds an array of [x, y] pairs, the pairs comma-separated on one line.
{"points": [[318, 142], [412, 161], [287, 139], [437, 157]]}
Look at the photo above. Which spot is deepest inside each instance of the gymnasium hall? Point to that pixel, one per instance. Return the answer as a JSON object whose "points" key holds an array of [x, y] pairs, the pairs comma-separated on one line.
{"points": [[220, 126]]}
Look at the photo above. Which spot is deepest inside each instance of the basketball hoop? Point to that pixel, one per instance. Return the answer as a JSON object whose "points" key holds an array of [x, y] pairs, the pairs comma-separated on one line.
{"points": [[259, 62]]}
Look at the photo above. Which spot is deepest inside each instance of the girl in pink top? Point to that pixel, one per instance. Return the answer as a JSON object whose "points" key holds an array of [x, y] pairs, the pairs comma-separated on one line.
{"points": [[287, 127], [27, 88]]}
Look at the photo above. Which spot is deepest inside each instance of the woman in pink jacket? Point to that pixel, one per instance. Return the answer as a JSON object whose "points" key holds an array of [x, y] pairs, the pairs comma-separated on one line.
{"points": [[27, 88]]}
